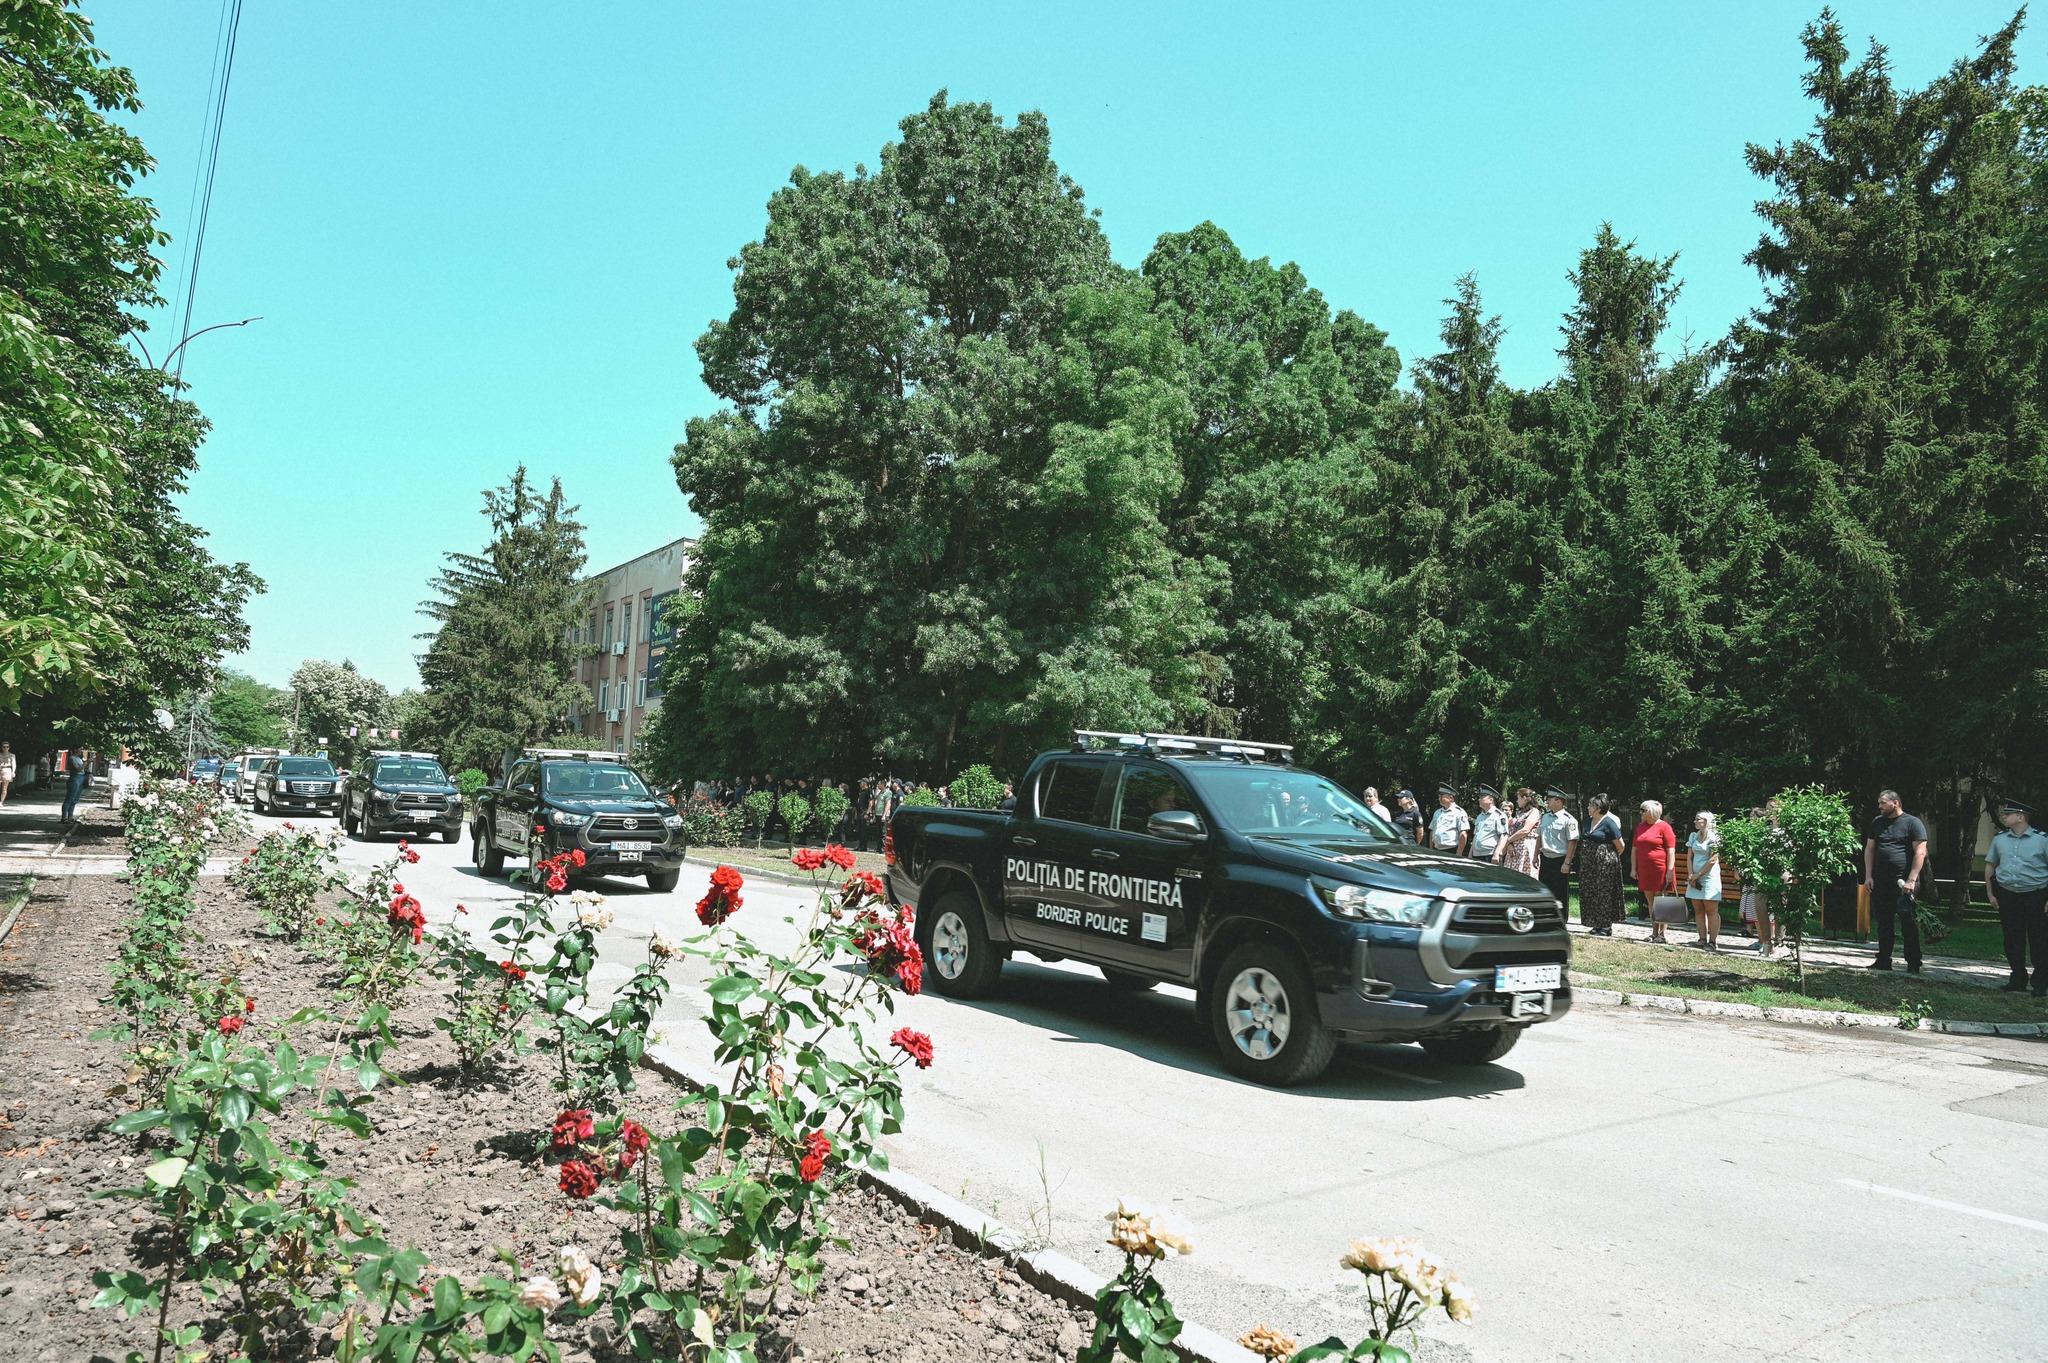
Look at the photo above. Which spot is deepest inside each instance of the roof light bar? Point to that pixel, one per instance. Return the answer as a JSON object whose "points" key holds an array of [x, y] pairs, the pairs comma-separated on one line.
{"points": [[1087, 739]]}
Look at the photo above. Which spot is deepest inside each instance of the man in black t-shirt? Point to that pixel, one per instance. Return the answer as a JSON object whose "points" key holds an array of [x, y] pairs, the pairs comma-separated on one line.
{"points": [[1894, 854]]}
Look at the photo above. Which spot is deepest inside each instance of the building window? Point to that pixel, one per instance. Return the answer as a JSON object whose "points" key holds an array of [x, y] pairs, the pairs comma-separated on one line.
{"points": [[626, 623], [640, 692], [607, 626], [604, 694]]}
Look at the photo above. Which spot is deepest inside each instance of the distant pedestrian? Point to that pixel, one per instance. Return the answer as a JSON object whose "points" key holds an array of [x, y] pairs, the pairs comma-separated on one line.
{"points": [[1517, 851], [1656, 858], [1557, 848], [1450, 828], [1894, 854], [1008, 803], [1756, 905], [76, 775], [1408, 817], [1600, 868], [1372, 802], [1489, 825], [1703, 879], [7, 762], [2016, 877]]}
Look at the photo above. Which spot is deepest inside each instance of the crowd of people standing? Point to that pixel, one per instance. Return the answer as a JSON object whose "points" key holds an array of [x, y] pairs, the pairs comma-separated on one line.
{"points": [[871, 802]]}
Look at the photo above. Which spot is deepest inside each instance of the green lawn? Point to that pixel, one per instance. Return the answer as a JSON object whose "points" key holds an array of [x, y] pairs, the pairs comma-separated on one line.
{"points": [[1739, 976]]}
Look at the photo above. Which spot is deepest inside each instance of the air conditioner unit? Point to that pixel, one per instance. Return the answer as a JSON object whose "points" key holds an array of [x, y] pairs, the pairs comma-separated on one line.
{"points": [[614, 716], [619, 649]]}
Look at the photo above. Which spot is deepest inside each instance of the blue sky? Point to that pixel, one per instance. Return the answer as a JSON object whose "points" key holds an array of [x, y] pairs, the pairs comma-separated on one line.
{"points": [[481, 234]]}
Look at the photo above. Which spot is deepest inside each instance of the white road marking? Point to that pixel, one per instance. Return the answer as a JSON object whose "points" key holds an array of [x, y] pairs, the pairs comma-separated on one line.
{"points": [[1988, 1215]]}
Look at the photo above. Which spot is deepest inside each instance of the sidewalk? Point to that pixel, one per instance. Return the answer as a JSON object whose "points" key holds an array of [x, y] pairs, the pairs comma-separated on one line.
{"points": [[34, 839], [1822, 952]]}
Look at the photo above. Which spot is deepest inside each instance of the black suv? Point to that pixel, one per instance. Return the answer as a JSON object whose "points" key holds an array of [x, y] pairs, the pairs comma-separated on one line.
{"points": [[287, 785], [401, 792], [1297, 915], [556, 800]]}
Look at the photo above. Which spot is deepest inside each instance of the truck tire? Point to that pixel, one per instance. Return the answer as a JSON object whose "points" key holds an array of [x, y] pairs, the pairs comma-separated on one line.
{"points": [[1262, 1009], [489, 859], [663, 882], [1481, 1046], [1124, 982], [959, 959]]}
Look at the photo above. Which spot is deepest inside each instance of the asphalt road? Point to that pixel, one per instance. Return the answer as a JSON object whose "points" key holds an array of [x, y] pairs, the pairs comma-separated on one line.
{"points": [[1624, 1186]]}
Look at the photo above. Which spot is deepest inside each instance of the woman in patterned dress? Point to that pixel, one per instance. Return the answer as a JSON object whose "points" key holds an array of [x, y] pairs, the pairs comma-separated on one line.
{"points": [[1600, 868], [1517, 851]]}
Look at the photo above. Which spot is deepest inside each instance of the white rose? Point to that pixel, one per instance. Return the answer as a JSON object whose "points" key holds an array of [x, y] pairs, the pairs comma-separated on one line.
{"points": [[663, 946], [540, 1293]]}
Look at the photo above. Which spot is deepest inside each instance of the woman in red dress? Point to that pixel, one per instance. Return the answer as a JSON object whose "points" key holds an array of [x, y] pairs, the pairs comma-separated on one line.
{"points": [[1656, 865]]}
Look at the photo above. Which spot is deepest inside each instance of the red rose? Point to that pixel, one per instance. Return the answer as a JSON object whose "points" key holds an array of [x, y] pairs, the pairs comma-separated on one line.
{"points": [[817, 1146], [891, 948], [230, 1024], [578, 1178], [406, 913], [248, 1005], [916, 1045], [722, 900], [516, 972], [541, 829], [808, 859], [409, 855], [460, 909], [573, 1125], [558, 882], [839, 856], [859, 887], [636, 1141], [576, 856]]}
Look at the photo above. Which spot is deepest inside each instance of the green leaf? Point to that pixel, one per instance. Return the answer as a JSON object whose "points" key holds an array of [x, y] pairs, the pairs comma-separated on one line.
{"points": [[166, 1172]]}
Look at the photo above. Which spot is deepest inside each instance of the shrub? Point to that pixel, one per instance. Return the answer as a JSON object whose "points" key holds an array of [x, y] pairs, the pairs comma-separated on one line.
{"points": [[286, 873], [977, 788], [796, 815], [832, 807], [469, 781], [923, 796], [759, 804], [1792, 853], [709, 824]]}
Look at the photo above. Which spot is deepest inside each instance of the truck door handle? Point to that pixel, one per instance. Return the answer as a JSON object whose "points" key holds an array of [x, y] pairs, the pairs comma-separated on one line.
{"points": [[1103, 854], [1024, 842]]}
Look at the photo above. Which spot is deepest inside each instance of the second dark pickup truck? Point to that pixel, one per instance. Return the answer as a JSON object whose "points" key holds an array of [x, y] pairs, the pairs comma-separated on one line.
{"points": [[1297, 915]]}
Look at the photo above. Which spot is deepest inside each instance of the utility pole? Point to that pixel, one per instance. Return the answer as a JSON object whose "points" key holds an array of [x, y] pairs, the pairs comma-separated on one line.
{"points": [[295, 718]]}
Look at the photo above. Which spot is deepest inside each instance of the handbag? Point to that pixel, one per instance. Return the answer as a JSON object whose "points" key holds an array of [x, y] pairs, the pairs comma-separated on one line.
{"points": [[1669, 908]]}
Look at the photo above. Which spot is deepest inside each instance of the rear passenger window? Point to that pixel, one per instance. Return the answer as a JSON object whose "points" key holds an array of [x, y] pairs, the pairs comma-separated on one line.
{"points": [[1068, 791], [1149, 791]]}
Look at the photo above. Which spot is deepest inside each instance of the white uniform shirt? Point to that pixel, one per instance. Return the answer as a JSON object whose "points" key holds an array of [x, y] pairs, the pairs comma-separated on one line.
{"points": [[1446, 826], [1558, 832]]}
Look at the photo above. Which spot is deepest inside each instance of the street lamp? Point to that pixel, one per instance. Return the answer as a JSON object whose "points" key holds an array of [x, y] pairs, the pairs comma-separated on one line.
{"points": [[172, 353]]}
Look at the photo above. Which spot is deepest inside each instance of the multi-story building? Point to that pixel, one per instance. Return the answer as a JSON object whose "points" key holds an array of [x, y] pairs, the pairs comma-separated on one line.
{"points": [[624, 676]]}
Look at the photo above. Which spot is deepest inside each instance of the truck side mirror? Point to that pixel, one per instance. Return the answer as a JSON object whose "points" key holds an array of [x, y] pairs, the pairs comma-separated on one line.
{"points": [[1178, 824], [524, 788]]}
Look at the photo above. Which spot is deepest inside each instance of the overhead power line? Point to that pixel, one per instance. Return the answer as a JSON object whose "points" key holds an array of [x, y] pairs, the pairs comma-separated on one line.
{"points": [[201, 207]]}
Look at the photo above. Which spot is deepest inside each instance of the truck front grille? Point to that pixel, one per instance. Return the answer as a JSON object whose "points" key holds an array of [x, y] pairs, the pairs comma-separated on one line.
{"points": [[1487, 918]]}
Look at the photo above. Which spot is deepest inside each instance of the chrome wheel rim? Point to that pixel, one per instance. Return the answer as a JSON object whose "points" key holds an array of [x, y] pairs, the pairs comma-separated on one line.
{"points": [[1255, 1010], [949, 945]]}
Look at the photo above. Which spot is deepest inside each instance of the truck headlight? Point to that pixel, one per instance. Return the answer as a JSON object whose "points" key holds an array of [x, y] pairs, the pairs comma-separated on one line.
{"points": [[1375, 906], [672, 821], [562, 818]]}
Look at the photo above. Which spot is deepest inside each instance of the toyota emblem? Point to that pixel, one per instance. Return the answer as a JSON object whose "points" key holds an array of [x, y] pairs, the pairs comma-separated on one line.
{"points": [[635, 823], [1522, 918]]}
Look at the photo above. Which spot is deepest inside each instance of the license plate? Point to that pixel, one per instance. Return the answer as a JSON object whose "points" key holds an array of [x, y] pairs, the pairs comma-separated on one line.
{"points": [[636, 848], [1509, 978], [421, 815], [628, 855]]}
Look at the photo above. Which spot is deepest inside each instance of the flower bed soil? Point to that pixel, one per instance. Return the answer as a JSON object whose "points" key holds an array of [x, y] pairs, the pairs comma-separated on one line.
{"points": [[449, 1169]]}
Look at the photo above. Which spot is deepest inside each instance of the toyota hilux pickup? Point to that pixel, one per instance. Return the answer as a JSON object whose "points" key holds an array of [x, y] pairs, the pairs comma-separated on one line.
{"points": [[558, 801], [1298, 916]]}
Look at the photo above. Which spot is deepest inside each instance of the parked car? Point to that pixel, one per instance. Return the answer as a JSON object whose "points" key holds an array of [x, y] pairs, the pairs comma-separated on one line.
{"points": [[203, 770], [241, 782], [590, 801], [401, 792], [1297, 915], [286, 785]]}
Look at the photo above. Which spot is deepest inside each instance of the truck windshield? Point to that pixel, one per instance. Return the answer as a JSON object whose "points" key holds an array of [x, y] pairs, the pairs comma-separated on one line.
{"points": [[416, 772], [588, 781], [305, 766], [1277, 803]]}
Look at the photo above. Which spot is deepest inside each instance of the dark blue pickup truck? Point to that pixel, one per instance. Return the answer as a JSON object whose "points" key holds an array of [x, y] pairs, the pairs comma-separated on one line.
{"points": [[1298, 916]]}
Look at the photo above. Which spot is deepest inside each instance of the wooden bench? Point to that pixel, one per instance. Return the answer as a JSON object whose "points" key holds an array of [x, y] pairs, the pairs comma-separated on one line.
{"points": [[1731, 891]]}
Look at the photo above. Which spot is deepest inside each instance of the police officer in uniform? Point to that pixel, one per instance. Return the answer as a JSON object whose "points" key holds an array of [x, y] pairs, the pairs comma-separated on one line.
{"points": [[1557, 843], [1450, 828], [1407, 817], [1489, 825], [2016, 878]]}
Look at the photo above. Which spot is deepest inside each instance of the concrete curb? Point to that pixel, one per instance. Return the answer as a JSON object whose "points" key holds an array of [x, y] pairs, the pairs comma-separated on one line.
{"points": [[796, 878], [1806, 1017], [19, 902], [1054, 1274]]}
